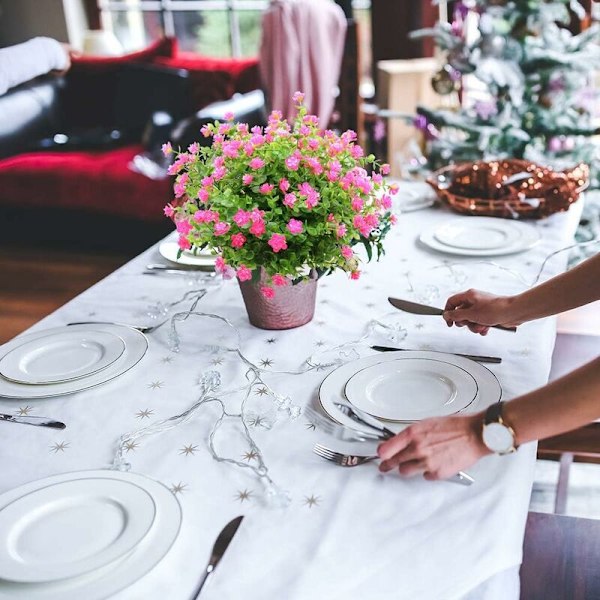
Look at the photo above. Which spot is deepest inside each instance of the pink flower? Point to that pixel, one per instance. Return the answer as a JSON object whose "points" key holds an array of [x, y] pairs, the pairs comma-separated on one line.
{"points": [[207, 181], [221, 228], [357, 152], [394, 189], [377, 178], [257, 228], [247, 179], [238, 240], [304, 130], [184, 227], [194, 148], [219, 173], [289, 200], [275, 117], [313, 143], [219, 162], [277, 242], [179, 187], [347, 252], [341, 231], [241, 218], [257, 163], [266, 188], [167, 149], [284, 185], [257, 139], [203, 195], [248, 148], [357, 204], [292, 163], [228, 116], [279, 280], [385, 169], [225, 128], [393, 219], [244, 273], [312, 196], [231, 148], [184, 243], [355, 275], [205, 130], [267, 292], [361, 224], [220, 264], [168, 210], [386, 201], [294, 226], [298, 97]]}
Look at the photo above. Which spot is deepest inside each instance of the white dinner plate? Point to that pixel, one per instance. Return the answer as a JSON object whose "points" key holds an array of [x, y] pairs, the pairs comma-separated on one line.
{"points": [[62, 356], [136, 346], [70, 528], [169, 250], [480, 236], [411, 389], [107, 581], [332, 387]]}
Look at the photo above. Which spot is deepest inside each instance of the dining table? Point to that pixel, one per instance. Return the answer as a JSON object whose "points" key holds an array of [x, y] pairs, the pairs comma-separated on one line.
{"points": [[311, 529]]}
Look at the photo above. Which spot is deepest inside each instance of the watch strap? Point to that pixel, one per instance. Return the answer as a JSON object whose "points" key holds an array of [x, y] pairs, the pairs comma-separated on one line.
{"points": [[493, 414]]}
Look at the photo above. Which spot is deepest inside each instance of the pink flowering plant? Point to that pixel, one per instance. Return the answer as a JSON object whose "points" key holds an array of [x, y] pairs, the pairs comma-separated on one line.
{"points": [[289, 199]]}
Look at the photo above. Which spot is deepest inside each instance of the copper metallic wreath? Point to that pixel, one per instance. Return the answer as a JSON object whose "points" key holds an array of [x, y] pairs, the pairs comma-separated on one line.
{"points": [[510, 188]]}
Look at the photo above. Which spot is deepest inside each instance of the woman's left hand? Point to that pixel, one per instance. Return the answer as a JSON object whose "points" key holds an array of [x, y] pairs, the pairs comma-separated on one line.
{"points": [[436, 448]]}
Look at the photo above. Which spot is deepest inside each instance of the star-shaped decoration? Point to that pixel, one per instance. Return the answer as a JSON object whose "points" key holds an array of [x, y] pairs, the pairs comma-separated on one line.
{"points": [[92, 313], [59, 447], [189, 449], [266, 362], [310, 426], [178, 488], [311, 500], [144, 414], [319, 366], [271, 341], [370, 305], [131, 445], [250, 455], [155, 385], [217, 361], [24, 410], [243, 495], [166, 359], [257, 421], [325, 301], [419, 326], [261, 391], [319, 343]]}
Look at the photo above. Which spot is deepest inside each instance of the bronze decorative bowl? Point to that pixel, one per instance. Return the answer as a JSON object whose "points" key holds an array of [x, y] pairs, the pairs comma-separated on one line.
{"points": [[510, 188]]}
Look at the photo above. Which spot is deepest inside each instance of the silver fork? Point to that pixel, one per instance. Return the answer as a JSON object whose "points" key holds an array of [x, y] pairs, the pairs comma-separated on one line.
{"points": [[140, 328], [353, 460], [338, 431]]}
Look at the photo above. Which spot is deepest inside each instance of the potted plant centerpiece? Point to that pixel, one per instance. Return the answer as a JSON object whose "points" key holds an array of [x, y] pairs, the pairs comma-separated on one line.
{"points": [[282, 206]]}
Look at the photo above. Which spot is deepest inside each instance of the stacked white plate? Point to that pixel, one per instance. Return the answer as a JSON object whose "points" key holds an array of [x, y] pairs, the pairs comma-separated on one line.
{"points": [[198, 258], [81, 535], [402, 387], [480, 236], [68, 359]]}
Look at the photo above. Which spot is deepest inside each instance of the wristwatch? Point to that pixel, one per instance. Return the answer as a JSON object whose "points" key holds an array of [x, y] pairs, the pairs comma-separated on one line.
{"points": [[497, 434]]}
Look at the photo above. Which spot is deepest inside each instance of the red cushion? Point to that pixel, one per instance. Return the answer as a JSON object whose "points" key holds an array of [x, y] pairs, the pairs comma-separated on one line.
{"points": [[84, 181], [162, 47], [214, 79]]}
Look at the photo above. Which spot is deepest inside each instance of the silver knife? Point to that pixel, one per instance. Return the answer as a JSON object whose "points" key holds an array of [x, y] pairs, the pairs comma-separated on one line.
{"points": [[221, 544], [423, 309], [38, 421], [476, 357]]}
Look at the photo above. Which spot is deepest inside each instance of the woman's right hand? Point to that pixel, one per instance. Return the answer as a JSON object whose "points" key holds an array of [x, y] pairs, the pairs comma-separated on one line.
{"points": [[479, 311]]}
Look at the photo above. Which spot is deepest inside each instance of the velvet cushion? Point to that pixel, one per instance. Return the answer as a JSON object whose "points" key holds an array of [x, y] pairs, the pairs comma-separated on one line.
{"points": [[84, 181]]}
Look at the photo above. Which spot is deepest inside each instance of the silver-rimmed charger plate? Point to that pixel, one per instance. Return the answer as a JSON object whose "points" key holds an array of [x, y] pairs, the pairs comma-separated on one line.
{"points": [[332, 387], [61, 356], [411, 389], [505, 237], [136, 346], [105, 582]]}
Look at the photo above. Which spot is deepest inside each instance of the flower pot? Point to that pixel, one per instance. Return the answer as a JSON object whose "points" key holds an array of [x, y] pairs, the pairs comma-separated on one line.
{"points": [[291, 306]]}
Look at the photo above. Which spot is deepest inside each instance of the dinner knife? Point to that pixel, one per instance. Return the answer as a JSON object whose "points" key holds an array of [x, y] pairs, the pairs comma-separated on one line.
{"points": [[423, 309], [475, 357], [38, 421], [221, 544]]}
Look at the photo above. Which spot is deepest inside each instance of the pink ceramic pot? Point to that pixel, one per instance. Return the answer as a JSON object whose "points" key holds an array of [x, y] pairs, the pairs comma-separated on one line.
{"points": [[292, 306]]}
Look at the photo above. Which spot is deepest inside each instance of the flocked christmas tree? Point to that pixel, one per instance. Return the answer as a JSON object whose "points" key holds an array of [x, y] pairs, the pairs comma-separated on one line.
{"points": [[536, 97]]}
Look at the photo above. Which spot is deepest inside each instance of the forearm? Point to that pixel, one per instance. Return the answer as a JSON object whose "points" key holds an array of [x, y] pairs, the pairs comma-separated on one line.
{"points": [[563, 405], [576, 287], [29, 60]]}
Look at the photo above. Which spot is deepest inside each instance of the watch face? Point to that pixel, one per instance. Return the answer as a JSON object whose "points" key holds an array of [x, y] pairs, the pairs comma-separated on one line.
{"points": [[498, 438]]}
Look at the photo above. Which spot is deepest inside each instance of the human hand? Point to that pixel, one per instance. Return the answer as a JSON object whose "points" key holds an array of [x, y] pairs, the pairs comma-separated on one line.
{"points": [[479, 310], [438, 448]]}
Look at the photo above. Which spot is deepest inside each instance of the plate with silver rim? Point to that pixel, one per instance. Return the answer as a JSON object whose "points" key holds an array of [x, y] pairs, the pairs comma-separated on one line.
{"points": [[411, 389], [70, 528], [136, 345], [480, 236], [104, 582], [200, 258], [61, 356], [333, 386]]}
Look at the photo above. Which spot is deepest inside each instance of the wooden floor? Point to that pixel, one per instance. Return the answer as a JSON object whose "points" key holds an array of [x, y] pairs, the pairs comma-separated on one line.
{"points": [[35, 282]]}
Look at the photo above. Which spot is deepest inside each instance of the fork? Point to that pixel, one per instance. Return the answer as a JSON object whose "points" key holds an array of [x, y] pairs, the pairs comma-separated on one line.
{"points": [[140, 328], [338, 431], [353, 460]]}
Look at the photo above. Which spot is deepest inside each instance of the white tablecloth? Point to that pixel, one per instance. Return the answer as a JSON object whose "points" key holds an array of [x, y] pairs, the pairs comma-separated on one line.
{"points": [[347, 533]]}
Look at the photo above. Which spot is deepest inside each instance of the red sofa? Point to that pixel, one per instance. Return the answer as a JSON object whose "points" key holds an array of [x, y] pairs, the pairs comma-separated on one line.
{"points": [[82, 194]]}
